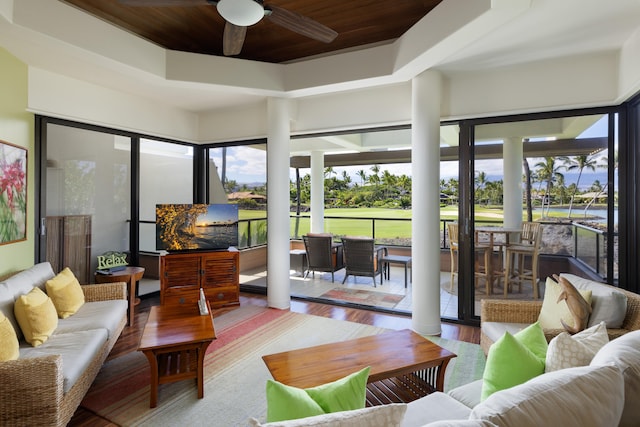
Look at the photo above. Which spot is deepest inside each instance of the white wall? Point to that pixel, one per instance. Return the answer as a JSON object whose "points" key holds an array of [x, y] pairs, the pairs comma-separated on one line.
{"points": [[59, 96]]}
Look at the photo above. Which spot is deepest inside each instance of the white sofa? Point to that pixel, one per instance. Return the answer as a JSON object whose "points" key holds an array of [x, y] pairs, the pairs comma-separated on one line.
{"points": [[603, 394], [45, 385]]}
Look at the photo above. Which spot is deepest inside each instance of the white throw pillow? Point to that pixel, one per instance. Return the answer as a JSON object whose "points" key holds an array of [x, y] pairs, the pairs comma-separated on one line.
{"points": [[607, 304], [375, 416], [624, 352], [575, 397], [569, 351]]}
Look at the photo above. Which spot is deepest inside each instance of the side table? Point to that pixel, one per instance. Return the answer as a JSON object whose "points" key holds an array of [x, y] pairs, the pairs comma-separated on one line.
{"points": [[131, 276], [396, 259]]}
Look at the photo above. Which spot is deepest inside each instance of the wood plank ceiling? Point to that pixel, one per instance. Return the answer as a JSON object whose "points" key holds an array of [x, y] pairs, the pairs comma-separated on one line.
{"points": [[199, 28]]}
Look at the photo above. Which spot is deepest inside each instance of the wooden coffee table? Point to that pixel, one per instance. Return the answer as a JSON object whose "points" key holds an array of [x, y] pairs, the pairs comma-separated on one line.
{"points": [[175, 339], [404, 365]]}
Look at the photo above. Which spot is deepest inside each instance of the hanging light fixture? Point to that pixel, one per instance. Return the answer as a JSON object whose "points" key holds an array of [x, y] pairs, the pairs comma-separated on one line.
{"points": [[242, 13]]}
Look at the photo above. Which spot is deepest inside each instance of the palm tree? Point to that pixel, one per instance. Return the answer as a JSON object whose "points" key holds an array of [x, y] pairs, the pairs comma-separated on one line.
{"points": [[346, 178], [578, 162], [375, 179], [481, 181], [527, 188], [363, 176], [549, 172]]}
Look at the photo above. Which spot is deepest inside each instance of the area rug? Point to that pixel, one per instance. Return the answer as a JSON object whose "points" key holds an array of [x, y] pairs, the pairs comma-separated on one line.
{"points": [[235, 375], [364, 296]]}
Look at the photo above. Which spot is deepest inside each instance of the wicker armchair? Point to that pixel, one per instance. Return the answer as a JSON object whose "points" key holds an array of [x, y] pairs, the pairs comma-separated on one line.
{"points": [[362, 258], [527, 312], [322, 254]]}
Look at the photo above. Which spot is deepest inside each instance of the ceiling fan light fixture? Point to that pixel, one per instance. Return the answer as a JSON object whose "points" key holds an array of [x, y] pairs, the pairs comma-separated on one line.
{"points": [[242, 13]]}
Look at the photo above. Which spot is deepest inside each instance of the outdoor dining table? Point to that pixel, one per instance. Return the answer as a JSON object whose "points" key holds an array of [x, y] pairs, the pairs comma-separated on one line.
{"points": [[495, 271]]}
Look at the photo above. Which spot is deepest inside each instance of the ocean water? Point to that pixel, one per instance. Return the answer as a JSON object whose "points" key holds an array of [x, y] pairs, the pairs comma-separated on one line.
{"points": [[586, 180]]}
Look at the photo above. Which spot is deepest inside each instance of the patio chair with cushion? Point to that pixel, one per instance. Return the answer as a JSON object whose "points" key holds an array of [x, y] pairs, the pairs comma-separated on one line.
{"points": [[362, 258], [322, 254]]}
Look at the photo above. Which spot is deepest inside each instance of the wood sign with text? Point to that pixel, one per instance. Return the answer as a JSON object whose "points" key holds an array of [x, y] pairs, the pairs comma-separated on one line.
{"points": [[112, 261]]}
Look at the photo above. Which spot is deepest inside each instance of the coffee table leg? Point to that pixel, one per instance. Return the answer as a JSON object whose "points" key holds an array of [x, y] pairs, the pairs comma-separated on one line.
{"points": [[201, 352], [153, 387]]}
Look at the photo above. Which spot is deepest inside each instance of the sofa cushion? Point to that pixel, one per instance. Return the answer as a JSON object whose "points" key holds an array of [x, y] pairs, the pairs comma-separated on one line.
{"points": [[285, 402], [95, 315], [9, 348], [78, 351], [575, 397], [514, 359], [65, 292], [20, 284], [375, 416], [36, 316], [35, 276], [433, 407], [569, 351], [468, 394], [494, 330], [553, 311], [608, 304], [624, 352]]}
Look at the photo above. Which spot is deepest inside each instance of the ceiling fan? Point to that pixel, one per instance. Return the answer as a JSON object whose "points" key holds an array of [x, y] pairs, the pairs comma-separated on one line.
{"points": [[241, 14]]}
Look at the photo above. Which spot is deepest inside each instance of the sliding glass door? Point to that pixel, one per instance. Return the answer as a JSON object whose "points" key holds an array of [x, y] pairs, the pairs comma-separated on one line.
{"points": [[87, 198]]}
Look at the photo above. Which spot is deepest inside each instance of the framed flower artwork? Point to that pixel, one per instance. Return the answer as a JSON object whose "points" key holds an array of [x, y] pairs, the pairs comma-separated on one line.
{"points": [[13, 193]]}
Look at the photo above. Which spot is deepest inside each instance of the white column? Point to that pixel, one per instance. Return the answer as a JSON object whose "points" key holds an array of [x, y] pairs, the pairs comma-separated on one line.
{"points": [[317, 191], [512, 150], [425, 236], [278, 286]]}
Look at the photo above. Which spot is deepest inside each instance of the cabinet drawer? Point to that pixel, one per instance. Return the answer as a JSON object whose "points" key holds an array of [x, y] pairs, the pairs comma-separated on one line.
{"points": [[222, 296], [180, 296]]}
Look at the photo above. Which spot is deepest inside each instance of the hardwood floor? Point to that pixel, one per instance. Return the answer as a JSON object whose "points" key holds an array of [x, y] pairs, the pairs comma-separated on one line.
{"points": [[130, 337]]}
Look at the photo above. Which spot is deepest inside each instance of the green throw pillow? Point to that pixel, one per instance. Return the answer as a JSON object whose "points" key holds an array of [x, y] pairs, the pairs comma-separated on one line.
{"points": [[533, 338], [288, 403], [514, 359]]}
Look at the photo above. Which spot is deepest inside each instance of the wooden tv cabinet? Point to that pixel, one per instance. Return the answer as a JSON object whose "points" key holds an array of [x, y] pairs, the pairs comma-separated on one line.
{"points": [[216, 272]]}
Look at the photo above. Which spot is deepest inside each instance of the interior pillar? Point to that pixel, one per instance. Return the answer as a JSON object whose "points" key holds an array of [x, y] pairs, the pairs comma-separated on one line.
{"points": [[278, 286], [317, 192], [512, 152], [425, 235]]}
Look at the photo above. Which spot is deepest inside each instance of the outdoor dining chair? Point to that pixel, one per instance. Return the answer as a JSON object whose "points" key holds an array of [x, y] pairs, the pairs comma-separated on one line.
{"points": [[521, 259], [481, 251], [362, 258], [322, 254]]}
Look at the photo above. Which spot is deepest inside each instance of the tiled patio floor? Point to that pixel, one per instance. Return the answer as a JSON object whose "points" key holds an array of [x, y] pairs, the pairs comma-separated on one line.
{"points": [[321, 283]]}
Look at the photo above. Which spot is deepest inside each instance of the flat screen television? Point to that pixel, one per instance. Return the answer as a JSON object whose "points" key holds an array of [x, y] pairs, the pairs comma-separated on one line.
{"points": [[183, 227]]}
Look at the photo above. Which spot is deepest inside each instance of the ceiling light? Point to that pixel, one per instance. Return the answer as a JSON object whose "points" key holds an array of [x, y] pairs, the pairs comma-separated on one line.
{"points": [[242, 13]]}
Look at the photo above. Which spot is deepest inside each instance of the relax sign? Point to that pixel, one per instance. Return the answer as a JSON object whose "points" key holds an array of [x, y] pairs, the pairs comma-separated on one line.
{"points": [[111, 259]]}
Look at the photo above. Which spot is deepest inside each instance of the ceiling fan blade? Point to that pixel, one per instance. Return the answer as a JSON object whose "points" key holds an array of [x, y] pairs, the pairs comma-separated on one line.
{"points": [[300, 24], [159, 3], [233, 39]]}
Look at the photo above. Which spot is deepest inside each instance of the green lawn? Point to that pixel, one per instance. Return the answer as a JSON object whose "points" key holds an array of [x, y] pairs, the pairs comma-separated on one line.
{"points": [[385, 227]]}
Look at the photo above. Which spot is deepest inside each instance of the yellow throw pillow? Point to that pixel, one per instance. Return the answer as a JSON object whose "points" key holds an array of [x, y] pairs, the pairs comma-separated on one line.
{"points": [[36, 316], [552, 310], [9, 347], [66, 293]]}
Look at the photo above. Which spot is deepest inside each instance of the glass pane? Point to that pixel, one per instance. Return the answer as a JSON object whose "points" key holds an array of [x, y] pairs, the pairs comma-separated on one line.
{"points": [[560, 167], [166, 176], [239, 175], [449, 197], [88, 180]]}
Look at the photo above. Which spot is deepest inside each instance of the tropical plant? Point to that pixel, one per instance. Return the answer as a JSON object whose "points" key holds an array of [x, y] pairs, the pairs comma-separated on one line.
{"points": [[580, 163]]}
